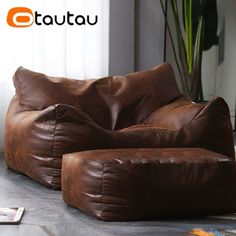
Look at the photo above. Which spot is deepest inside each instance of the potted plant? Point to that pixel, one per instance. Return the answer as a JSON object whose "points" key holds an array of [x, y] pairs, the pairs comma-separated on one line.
{"points": [[188, 55]]}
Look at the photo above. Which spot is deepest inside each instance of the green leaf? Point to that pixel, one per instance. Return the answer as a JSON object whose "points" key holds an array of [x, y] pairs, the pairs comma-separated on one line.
{"points": [[181, 46], [197, 58], [183, 85], [189, 33]]}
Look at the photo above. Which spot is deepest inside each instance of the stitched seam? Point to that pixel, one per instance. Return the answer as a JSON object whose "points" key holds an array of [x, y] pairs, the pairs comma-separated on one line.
{"points": [[208, 103], [53, 148], [193, 117], [18, 86], [181, 128], [217, 162], [178, 131], [102, 190]]}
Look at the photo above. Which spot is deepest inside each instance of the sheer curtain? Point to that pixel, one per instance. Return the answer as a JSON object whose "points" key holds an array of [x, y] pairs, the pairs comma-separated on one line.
{"points": [[72, 51]]}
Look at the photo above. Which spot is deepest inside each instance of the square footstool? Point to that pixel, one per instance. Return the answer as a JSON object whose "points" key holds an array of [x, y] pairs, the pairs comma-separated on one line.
{"points": [[143, 184]]}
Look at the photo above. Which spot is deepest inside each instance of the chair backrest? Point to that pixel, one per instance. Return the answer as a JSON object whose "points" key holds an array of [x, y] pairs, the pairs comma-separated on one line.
{"points": [[112, 102]]}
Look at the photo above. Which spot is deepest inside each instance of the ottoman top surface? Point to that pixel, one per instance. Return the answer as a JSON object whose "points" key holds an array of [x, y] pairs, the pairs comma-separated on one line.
{"points": [[149, 155]]}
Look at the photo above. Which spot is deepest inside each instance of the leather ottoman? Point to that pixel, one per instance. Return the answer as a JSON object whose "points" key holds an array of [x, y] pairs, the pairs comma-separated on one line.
{"points": [[138, 184]]}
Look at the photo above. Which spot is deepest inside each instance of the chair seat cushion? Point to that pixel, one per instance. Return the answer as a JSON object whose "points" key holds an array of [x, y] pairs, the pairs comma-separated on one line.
{"points": [[138, 184]]}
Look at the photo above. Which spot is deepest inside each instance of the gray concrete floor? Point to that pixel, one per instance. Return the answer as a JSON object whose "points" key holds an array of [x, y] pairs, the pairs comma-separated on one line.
{"points": [[47, 215]]}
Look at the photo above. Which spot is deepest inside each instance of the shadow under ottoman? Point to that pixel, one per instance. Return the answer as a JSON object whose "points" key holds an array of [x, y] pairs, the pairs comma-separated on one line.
{"points": [[140, 184]]}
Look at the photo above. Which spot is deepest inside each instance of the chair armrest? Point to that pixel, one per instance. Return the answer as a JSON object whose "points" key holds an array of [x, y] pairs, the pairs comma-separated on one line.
{"points": [[184, 124], [174, 115], [36, 140], [211, 128]]}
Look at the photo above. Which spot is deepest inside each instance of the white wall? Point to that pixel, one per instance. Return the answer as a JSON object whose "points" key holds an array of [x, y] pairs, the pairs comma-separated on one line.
{"points": [[220, 78], [226, 76], [149, 34], [121, 48], [136, 35]]}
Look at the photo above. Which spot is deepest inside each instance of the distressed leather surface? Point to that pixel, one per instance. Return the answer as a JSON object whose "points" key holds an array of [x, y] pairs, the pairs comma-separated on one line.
{"points": [[50, 116], [137, 184]]}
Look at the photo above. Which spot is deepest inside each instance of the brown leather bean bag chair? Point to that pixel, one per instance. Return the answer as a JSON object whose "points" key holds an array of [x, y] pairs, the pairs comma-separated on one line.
{"points": [[51, 116]]}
